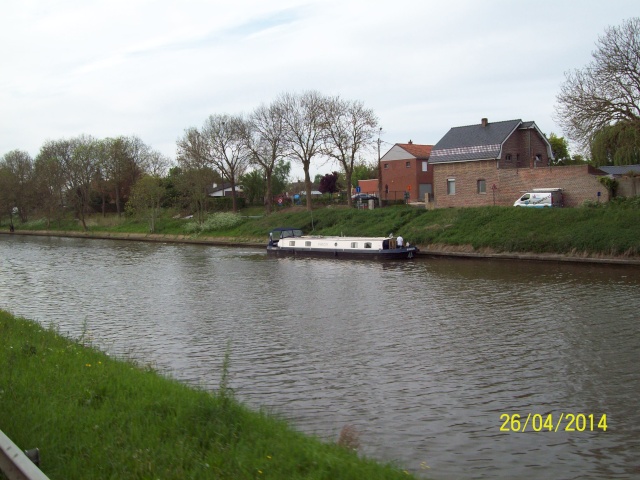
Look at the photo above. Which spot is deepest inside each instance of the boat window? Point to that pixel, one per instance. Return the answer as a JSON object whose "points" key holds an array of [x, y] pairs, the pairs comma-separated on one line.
{"points": [[307, 243], [354, 244], [292, 243], [367, 244]]}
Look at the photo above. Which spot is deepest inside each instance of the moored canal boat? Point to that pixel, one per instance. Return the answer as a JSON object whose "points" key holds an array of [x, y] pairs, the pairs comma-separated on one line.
{"points": [[289, 241]]}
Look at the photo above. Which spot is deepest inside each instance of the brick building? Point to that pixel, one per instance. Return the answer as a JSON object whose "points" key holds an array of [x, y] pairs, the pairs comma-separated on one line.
{"points": [[405, 168], [493, 163]]}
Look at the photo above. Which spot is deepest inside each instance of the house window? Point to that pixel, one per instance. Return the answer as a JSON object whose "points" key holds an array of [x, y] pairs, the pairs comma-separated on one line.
{"points": [[386, 165], [424, 166], [508, 157], [354, 244], [482, 186], [408, 164], [451, 186]]}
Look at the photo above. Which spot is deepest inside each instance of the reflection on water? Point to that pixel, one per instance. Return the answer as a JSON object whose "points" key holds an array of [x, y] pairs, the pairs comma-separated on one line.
{"points": [[422, 357]]}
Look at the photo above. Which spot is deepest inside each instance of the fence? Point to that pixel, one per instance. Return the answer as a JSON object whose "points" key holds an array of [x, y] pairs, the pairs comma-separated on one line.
{"points": [[15, 464]]}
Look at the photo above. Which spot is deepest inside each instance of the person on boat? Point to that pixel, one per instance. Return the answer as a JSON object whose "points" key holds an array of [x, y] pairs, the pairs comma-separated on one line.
{"points": [[400, 241]]}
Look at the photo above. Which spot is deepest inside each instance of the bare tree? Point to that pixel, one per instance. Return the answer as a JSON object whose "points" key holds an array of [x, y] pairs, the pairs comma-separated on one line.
{"points": [[265, 142], [605, 92], [157, 164], [197, 176], [350, 129], [303, 116], [226, 149]]}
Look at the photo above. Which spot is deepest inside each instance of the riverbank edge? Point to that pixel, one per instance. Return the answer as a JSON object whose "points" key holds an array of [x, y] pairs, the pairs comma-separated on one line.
{"points": [[434, 250], [142, 407]]}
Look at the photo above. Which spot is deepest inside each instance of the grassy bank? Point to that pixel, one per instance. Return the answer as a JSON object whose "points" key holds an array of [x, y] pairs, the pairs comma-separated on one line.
{"points": [[94, 417], [611, 230]]}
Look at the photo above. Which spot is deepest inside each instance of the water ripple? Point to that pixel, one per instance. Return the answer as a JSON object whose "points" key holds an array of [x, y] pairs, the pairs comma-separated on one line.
{"points": [[422, 357]]}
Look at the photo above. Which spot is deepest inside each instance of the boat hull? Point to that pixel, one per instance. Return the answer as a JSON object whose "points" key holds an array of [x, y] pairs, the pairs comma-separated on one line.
{"points": [[388, 254]]}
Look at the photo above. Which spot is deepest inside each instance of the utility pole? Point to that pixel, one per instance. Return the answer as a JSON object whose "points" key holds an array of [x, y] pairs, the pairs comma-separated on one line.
{"points": [[379, 171]]}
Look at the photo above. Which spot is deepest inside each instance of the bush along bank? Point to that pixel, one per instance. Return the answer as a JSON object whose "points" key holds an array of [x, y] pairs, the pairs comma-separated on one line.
{"points": [[92, 416]]}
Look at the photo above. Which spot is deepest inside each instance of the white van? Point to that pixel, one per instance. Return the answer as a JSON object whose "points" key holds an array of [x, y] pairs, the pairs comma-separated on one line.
{"points": [[541, 197]]}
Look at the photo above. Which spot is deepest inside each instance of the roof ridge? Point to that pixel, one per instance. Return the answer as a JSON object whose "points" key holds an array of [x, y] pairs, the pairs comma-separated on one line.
{"points": [[490, 123]]}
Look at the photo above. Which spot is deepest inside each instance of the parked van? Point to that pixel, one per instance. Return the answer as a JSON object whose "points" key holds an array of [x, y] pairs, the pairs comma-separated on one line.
{"points": [[541, 197]]}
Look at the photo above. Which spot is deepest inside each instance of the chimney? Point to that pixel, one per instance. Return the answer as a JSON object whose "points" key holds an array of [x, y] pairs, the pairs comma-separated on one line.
{"points": [[485, 122]]}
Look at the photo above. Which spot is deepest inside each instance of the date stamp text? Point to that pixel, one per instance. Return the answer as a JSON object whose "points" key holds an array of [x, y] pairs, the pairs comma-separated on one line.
{"points": [[548, 422]]}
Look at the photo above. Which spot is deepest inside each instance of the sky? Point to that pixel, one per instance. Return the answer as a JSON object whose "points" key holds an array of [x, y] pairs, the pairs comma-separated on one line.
{"points": [[153, 68]]}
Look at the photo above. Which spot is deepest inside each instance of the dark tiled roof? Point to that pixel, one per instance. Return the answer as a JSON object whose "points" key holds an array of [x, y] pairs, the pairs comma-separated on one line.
{"points": [[620, 170], [473, 142]]}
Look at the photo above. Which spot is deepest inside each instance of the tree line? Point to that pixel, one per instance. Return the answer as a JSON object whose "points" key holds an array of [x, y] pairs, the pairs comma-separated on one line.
{"points": [[255, 150], [75, 173]]}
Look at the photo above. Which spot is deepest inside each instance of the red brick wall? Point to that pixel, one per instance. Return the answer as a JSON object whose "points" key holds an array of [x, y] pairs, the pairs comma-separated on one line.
{"points": [[579, 183], [523, 146], [368, 186], [398, 177]]}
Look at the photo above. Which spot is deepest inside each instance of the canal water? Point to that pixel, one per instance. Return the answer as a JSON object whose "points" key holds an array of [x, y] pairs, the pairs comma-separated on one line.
{"points": [[430, 360]]}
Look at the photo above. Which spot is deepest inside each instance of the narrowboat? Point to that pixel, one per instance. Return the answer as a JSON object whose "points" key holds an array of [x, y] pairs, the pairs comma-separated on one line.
{"points": [[289, 241]]}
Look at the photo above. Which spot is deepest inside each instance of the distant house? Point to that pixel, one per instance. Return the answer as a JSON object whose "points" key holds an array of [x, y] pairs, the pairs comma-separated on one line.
{"points": [[617, 171], [223, 190], [405, 168], [628, 177], [493, 163]]}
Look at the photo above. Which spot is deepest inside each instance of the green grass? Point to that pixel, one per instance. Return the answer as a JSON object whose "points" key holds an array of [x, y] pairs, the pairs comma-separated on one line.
{"points": [[602, 230], [94, 417]]}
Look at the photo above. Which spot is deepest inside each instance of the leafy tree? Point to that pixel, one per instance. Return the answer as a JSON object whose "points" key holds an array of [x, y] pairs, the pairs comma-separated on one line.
{"points": [[329, 183], [254, 186], [80, 171], [280, 178], [560, 148], [18, 183], [123, 161], [363, 171], [50, 185], [146, 198], [617, 144], [605, 93], [611, 184]]}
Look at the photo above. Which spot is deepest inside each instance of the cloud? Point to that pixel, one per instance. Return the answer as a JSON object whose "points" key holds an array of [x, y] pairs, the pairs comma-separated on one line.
{"points": [[155, 68]]}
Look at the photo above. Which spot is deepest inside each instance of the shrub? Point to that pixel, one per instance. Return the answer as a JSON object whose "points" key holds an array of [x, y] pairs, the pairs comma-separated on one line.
{"points": [[215, 221]]}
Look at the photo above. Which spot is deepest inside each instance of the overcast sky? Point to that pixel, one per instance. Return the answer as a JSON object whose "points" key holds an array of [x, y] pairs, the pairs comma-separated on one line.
{"points": [[154, 68]]}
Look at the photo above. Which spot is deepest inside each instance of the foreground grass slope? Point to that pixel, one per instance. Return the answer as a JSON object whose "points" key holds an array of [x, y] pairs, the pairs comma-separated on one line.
{"points": [[94, 417], [612, 230]]}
